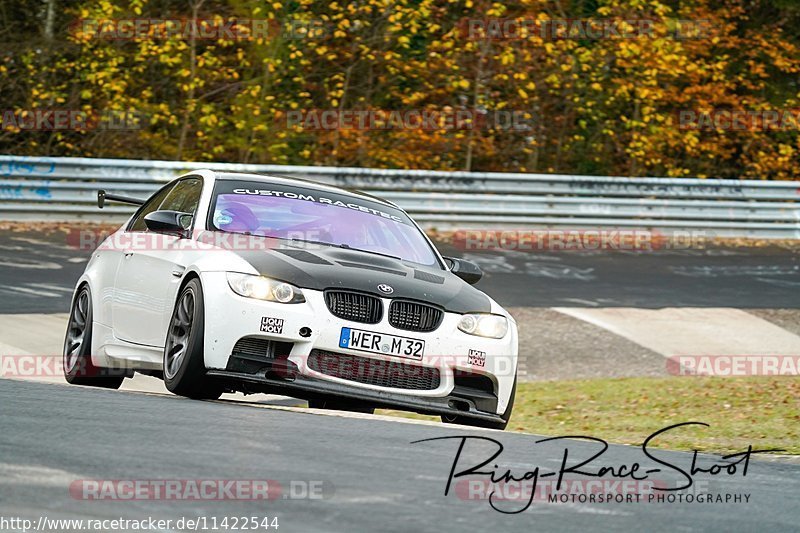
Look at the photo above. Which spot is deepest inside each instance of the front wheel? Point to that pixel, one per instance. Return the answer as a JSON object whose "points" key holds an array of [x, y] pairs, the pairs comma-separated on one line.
{"points": [[184, 366], [467, 421], [78, 366]]}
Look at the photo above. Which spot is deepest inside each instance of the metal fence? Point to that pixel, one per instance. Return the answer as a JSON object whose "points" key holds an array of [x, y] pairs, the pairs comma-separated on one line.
{"points": [[43, 188]]}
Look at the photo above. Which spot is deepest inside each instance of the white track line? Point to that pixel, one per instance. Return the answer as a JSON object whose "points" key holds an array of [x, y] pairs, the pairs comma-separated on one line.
{"points": [[692, 331]]}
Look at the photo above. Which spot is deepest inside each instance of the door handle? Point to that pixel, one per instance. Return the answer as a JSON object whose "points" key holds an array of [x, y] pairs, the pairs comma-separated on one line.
{"points": [[128, 254]]}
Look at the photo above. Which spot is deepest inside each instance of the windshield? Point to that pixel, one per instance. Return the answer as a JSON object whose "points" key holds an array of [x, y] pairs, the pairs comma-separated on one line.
{"points": [[309, 215]]}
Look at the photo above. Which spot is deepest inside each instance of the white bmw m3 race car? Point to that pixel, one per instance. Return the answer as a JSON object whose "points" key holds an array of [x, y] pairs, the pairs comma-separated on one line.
{"points": [[226, 282]]}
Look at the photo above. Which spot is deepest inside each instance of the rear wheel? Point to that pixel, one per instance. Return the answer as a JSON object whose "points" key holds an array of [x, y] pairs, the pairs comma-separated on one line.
{"points": [[467, 421], [78, 366], [184, 365], [342, 405]]}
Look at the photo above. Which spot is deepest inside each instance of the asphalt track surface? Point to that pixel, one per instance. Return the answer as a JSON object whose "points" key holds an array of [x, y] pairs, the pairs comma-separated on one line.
{"points": [[374, 478], [38, 273]]}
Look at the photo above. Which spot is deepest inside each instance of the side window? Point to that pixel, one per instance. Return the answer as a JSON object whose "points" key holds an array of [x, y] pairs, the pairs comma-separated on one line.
{"points": [[137, 224], [184, 197]]}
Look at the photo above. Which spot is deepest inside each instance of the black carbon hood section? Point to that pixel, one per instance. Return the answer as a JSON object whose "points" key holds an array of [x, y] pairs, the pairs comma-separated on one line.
{"points": [[323, 267]]}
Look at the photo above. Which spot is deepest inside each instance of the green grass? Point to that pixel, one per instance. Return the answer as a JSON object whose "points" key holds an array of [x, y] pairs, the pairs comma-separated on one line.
{"points": [[762, 411]]}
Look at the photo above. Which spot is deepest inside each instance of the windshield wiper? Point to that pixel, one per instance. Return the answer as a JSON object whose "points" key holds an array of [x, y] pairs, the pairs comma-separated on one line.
{"points": [[342, 245], [290, 239], [293, 240], [348, 247]]}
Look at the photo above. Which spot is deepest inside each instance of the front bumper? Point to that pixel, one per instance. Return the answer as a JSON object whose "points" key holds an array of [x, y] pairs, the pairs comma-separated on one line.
{"points": [[310, 326], [309, 388]]}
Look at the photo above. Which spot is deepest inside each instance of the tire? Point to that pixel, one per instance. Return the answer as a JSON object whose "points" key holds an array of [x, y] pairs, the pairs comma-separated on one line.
{"points": [[77, 358], [474, 422], [342, 405], [184, 366]]}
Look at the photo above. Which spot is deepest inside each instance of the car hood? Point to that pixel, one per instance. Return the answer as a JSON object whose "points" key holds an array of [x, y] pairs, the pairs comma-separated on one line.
{"points": [[322, 267]]}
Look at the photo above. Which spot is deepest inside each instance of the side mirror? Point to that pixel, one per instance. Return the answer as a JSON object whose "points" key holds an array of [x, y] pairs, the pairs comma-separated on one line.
{"points": [[171, 222], [466, 270]]}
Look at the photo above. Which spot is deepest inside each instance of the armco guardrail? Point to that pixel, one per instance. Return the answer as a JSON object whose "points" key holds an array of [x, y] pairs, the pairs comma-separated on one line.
{"points": [[65, 189]]}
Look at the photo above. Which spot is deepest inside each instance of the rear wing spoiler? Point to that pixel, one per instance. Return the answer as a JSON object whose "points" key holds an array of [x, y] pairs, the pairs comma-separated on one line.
{"points": [[102, 196]]}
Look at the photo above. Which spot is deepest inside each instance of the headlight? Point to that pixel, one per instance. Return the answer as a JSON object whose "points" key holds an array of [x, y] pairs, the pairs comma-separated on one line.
{"points": [[483, 325], [262, 288]]}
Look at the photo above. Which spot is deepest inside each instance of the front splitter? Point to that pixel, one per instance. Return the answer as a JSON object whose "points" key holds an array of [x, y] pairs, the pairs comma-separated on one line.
{"points": [[310, 388]]}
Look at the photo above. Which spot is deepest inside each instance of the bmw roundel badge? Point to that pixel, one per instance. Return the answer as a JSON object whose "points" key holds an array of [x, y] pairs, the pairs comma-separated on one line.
{"points": [[386, 289]]}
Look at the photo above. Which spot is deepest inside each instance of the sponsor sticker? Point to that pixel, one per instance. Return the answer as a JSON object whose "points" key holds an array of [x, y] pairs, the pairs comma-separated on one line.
{"points": [[476, 358], [318, 200], [271, 325]]}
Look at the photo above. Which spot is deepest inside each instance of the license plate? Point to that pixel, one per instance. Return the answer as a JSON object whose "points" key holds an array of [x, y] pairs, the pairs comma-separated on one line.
{"points": [[369, 341]]}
